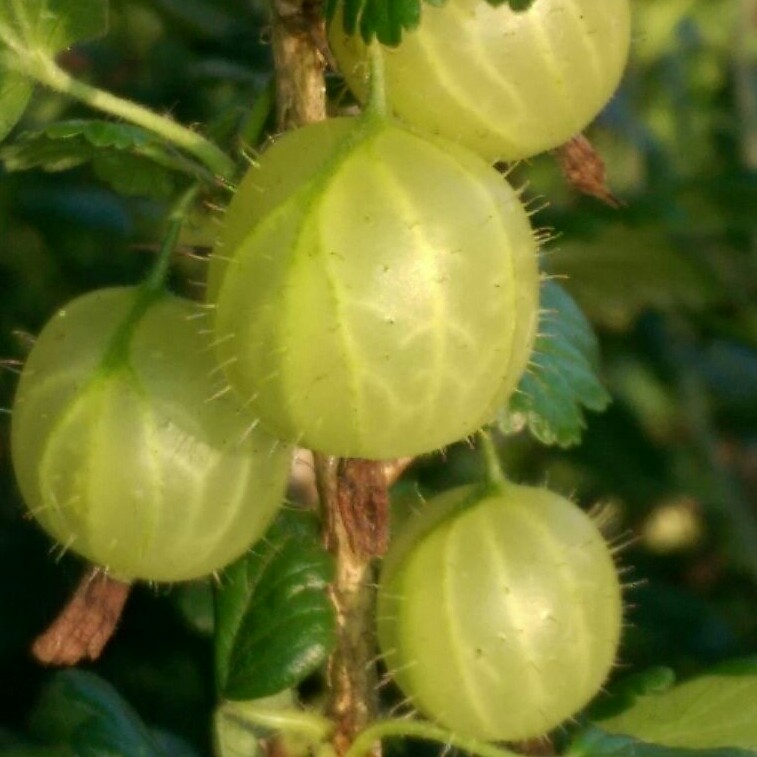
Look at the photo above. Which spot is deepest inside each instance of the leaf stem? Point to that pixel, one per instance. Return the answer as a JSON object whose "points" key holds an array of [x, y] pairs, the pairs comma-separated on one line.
{"points": [[47, 72], [422, 730], [494, 475], [311, 726], [157, 277], [376, 105], [153, 285]]}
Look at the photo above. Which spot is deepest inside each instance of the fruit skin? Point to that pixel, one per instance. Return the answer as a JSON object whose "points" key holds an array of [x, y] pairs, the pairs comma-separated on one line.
{"points": [[499, 611], [387, 304], [506, 84], [121, 455]]}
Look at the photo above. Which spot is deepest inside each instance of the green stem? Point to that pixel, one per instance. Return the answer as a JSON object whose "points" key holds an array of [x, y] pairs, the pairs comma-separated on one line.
{"points": [[312, 727], [421, 730], [377, 105], [153, 285], [494, 475], [47, 72], [252, 130], [157, 277]]}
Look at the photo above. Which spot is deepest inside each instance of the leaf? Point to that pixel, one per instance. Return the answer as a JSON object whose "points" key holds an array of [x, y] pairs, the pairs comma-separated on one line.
{"points": [[34, 29], [15, 92], [127, 157], [623, 271], [386, 20], [240, 728], [594, 742], [15, 745], [80, 711], [274, 621], [562, 378], [50, 26], [713, 711], [626, 692]]}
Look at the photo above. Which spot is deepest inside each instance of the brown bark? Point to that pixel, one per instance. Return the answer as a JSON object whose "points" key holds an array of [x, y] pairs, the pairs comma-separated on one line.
{"points": [[298, 43], [86, 623], [355, 507]]}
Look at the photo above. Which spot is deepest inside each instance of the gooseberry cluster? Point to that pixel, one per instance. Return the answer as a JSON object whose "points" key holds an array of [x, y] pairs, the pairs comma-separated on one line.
{"points": [[374, 294]]}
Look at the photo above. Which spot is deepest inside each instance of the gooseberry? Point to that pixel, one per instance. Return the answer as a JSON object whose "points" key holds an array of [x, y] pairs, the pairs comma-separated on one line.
{"points": [[499, 611], [507, 84], [379, 299], [121, 454]]}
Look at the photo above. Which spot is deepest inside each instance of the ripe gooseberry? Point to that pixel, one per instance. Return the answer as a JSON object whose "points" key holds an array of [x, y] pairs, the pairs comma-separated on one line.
{"points": [[119, 452], [499, 611], [507, 84], [378, 300]]}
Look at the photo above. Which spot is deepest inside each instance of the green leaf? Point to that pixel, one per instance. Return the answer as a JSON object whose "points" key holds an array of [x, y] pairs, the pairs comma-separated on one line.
{"points": [[714, 711], [15, 92], [274, 620], [30, 29], [386, 20], [383, 19], [50, 26], [562, 378], [625, 693], [240, 727], [85, 714], [128, 158], [13, 745], [623, 271], [594, 742]]}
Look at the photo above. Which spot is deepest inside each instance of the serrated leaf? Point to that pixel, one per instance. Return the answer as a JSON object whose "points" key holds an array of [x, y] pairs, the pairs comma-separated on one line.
{"points": [[82, 712], [594, 742], [714, 711], [274, 620], [127, 157], [562, 379], [386, 20]]}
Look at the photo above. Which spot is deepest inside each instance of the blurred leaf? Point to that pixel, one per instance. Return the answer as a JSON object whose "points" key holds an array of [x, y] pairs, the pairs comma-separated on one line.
{"points": [[15, 92], [233, 735], [274, 621], [13, 745], [594, 742], [203, 17], [194, 601], [240, 726], [713, 711], [656, 22], [82, 712], [626, 692], [386, 20], [623, 271], [562, 378], [127, 157], [29, 28], [50, 26]]}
